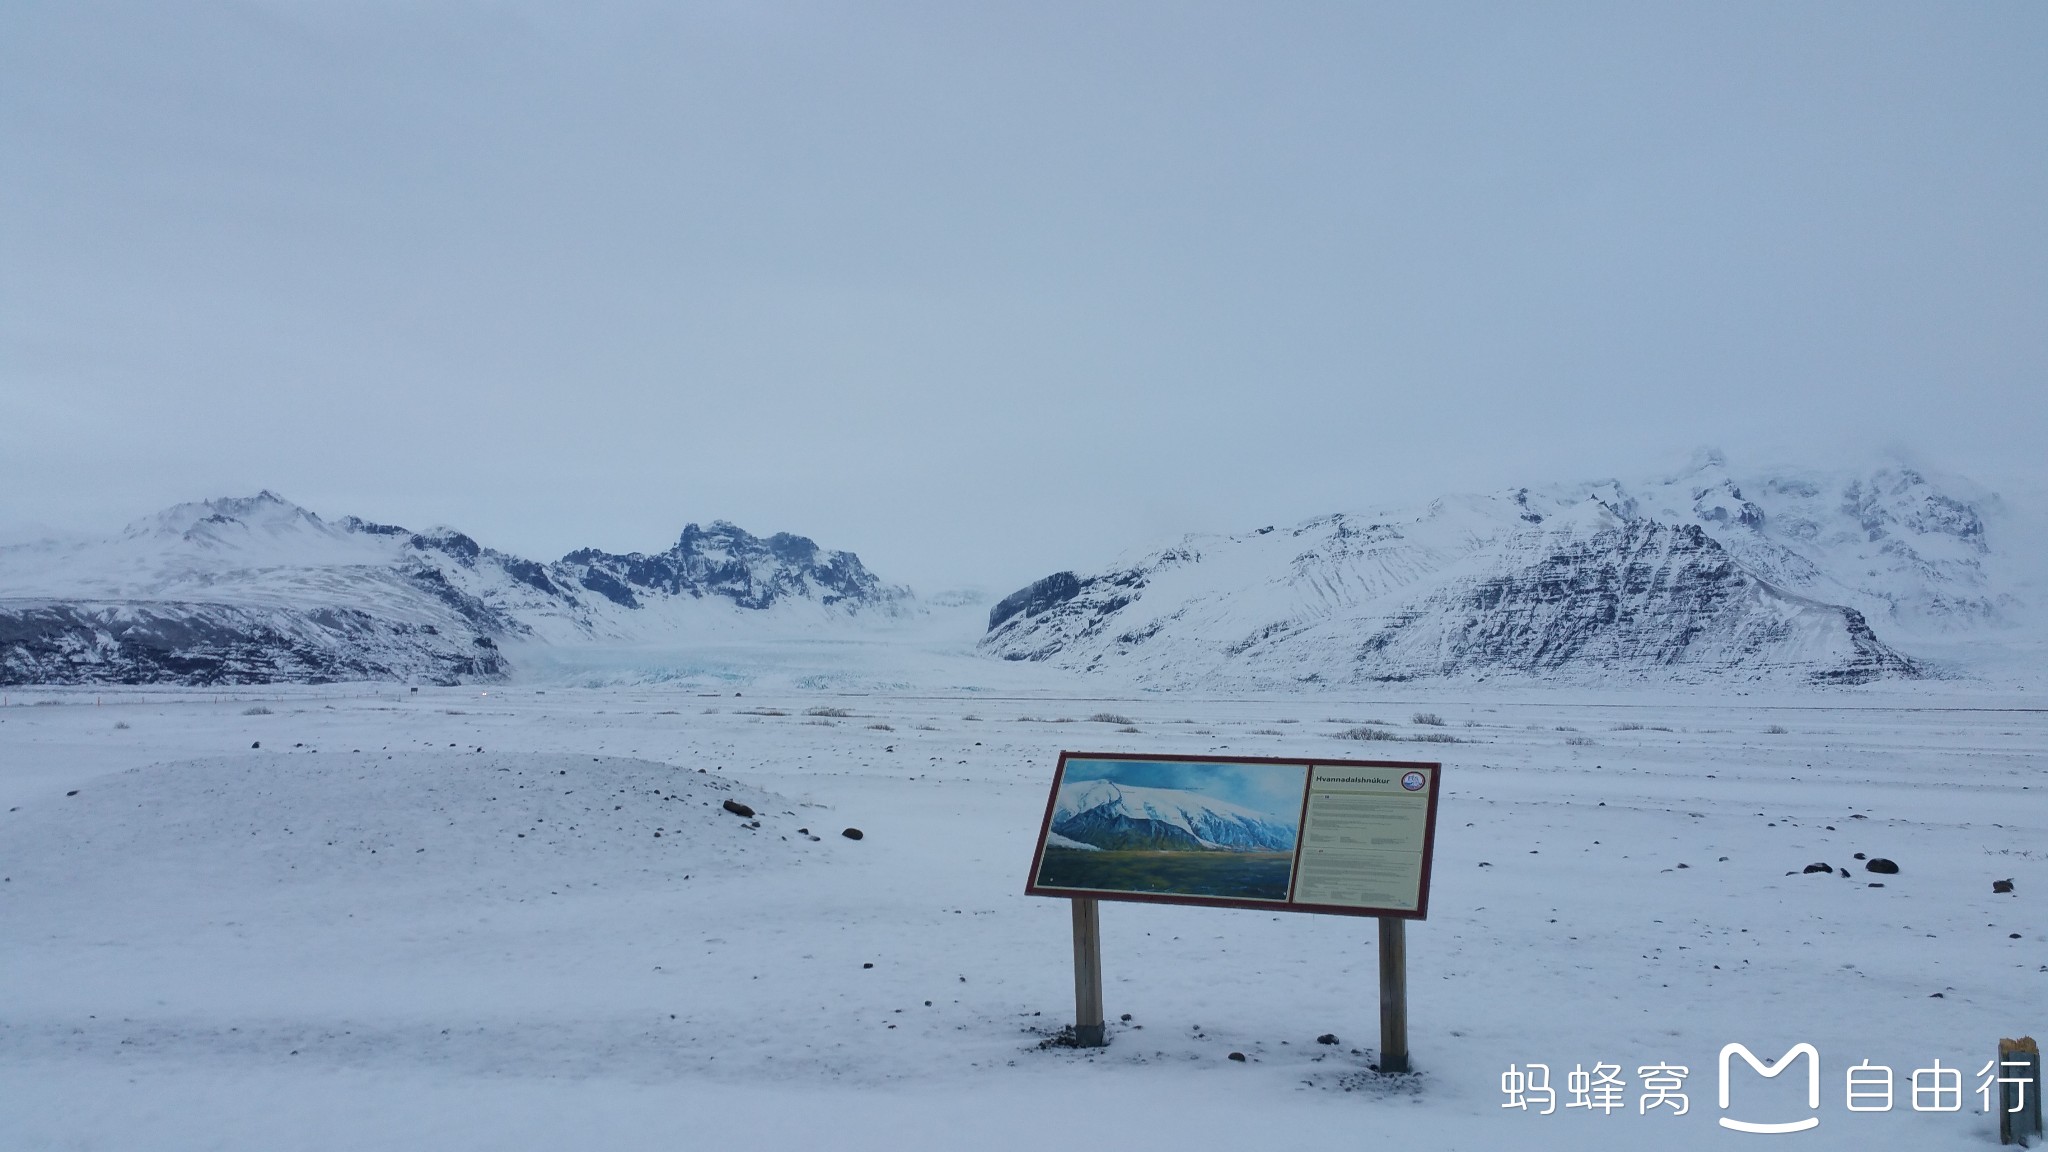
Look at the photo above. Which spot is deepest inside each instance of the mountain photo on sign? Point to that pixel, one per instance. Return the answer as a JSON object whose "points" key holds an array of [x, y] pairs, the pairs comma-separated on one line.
{"points": [[1225, 831]]}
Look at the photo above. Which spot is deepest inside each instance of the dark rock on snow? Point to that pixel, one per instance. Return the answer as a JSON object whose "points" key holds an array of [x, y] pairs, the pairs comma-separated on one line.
{"points": [[1881, 866], [738, 809]]}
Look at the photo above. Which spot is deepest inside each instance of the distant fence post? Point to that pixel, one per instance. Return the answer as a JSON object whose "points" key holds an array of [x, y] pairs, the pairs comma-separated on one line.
{"points": [[1393, 994], [1088, 972]]}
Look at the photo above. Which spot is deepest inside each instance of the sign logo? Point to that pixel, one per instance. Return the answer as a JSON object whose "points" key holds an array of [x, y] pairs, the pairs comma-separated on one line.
{"points": [[1414, 781], [1758, 1066]]}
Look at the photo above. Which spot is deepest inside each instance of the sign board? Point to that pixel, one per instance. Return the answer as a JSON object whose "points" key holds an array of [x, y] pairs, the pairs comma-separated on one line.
{"points": [[1350, 837]]}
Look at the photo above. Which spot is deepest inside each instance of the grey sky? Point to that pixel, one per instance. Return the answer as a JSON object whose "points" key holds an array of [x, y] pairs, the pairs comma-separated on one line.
{"points": [[983, 291], [1269, 789]]}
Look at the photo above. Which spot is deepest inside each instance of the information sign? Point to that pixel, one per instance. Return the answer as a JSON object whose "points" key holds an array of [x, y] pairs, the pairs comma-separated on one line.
{"points": [[1350, 837]]}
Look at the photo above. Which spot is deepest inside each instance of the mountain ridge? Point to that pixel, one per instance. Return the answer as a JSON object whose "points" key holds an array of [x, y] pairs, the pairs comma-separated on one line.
{"points": [[1788, 576], [1109, 816], [257, 589]]}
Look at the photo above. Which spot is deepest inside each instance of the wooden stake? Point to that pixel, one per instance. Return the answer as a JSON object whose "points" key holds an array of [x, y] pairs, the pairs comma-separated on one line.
{"points": [[2019, 1109], [1088, 972], [1393, 994]]}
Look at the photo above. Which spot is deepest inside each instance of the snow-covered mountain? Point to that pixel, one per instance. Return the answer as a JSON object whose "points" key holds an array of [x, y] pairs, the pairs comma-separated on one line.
{"points": [[258, 589], [1786, 576], [1106, 815]]}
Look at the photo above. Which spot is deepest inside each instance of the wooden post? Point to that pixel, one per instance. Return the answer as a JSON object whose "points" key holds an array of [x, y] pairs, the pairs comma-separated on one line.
{"points": [[1393, 994], [1088, 972], [2019, 1105]]}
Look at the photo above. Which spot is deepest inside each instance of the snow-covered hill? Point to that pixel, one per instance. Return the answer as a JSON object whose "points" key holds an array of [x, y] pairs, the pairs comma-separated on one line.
{"points": [[258, 589], [1787, 576], [1103, 814]]}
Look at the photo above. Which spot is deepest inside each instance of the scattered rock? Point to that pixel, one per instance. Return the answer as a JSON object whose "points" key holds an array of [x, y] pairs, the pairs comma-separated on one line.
{"points": [[738, 809], [2013, 936], [73, 792], [1875, 885], [256, 744], [1936, 996], [853, 833], [2001, 886], [1327, 1038], [1126, 1017], [1811, 868], [1860, 856], [1881, 866], [869, 964], [1237, 1056]]}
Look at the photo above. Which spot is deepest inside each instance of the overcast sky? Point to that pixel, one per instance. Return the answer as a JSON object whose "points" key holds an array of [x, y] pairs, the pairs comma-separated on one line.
{"points": [[982, 291]]}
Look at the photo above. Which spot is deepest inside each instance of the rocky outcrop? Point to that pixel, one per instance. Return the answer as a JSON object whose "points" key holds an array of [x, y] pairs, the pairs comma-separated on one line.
{"points": [[728, 562], [205, 644]]}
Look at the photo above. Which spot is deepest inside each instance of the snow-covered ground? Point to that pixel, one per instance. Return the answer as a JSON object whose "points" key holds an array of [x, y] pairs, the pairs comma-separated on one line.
{"points": [[443, 919]]}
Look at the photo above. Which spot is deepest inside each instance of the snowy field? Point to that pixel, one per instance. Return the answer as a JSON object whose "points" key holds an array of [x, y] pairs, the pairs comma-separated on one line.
{"points": [[519, 919]]}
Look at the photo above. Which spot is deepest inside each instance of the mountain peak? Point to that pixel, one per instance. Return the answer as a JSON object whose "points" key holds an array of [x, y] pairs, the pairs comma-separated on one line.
{"points": [[228, 519]]}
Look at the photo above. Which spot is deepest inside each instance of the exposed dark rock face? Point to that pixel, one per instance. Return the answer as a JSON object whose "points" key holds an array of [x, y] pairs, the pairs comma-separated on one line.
{"points": [[183, 643], [1073, 606], [1639, 595], [727, 561], [1035, 598]]}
